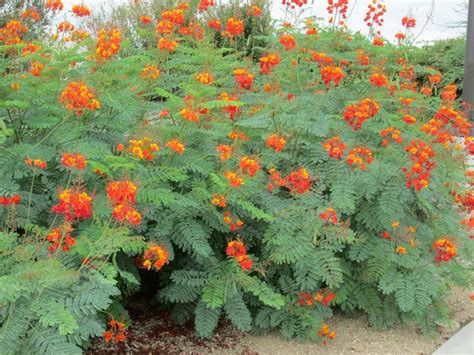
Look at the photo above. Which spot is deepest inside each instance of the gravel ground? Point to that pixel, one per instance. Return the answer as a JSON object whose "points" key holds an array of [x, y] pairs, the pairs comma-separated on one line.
{"points": [[152, 333]]}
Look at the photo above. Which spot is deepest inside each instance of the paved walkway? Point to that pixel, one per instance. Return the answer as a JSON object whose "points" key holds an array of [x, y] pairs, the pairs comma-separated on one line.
{"points": [[462, 343]]}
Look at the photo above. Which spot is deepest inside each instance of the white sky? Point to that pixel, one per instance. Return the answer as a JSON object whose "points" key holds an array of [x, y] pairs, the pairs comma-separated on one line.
{"points": [[444, 14]]}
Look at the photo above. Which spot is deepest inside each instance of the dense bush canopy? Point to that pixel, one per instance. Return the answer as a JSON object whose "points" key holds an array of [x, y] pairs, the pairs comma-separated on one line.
{"points": [[266, 185]]}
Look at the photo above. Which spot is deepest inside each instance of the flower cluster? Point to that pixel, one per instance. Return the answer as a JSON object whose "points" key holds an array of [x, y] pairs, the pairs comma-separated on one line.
{"points": [[234, 179], [108, 43], [205, 78], [360, 112], [73, 161], [12, 32], [233, 226], [205, 4], [338, 8], [332, 74], [232, 110], [32, 14], [326, 332], [267, 62], [408, 22], [65, 26], [175, 16], [77, 96], [299, 181], [329, 215], [81, 10], [155, 257], [360, 156], [146, 20], [219, 200], [122, 194], [335, 147], [287, 41], [225, 151], [189, 115], [233, 28], [449, 93], [116, 332], [305, 298], [237, 250], [150, 72], [276, 142], [141, 148], [293, 3], [376, 11], [176, 145], [10, 201], [445, 250], [61, 238], [36, 163], [420, 171], [36, 68], [167, 45], [243, 78], [74, 205], [378, 80], [393, 133], [249, 166], [54, 5]]}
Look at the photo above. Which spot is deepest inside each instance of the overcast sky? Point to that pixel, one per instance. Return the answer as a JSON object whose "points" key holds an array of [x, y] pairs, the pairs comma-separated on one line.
{"points": [[444, 14]]}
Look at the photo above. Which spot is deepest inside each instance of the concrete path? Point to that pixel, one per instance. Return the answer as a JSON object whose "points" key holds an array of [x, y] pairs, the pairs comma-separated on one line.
{"points": [[462, 343]]}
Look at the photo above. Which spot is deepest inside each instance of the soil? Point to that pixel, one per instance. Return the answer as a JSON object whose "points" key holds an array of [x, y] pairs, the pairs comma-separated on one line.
{"points": [[154, 333]]}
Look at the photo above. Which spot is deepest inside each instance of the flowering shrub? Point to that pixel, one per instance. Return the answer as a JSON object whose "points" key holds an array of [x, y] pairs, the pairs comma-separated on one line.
{"points": [[266, 191]]}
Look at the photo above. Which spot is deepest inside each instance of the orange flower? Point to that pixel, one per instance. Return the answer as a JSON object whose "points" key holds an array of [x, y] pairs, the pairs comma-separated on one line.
{"points": [[234, 27], [204, 78], [36, 68], [155, 257], [400, 250], [165, 27], [30, 49], [219, 200], [81, 10], [176, 145], [77, 97], [74, 161], [267, 62], [54, 5], [189, 115], [409, 119], [408, 22], [254, 10], [420, 172], [205, 4], [36, 163], [360, 156], [234, 179], [12, 32], [358, 113], [61, 237], [214, 24], [287, 41], [145, 20], [175, 16], [121, 192], [74, 204], [394, 133], [378, 80], [143, 148], [243, 78], [126, 212], [378, 42], [108, 43], [10, 201], [329, 215], [235, 135], [299, 181], [332, 74], [445, 250], [116, 332], [150, 72], [335, 147], [32, 14], [167, 45], [276, 142], [249, 166], [15, 86], [225, 150]]}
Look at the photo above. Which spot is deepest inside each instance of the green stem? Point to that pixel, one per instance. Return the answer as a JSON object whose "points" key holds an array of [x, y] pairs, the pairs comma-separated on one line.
{"points": [[29, 198]]}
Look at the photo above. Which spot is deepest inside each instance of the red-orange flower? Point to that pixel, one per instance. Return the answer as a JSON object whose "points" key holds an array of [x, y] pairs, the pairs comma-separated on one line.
{"points": [[145, 20], [249, 166], [175, 16], [445, 250], [225, 150], [329, 215], [378, 80], [267, 62], [393, 133], [74, 205], [299, 181], [205, 78], [234, 27], [36, 163], [108, 43], [276, 142], [176, 145], [115, 333], [420, 172], [73, 161], [358, 113], [408, 22], [189, 115], [234, 179], [332, 74], [150, 72], [243, 78], [155, 257], [219, 200], [214, 24], [360, 156], [54, 5], [10, 201], [287, 41], [81, 10], [61, 237], [36, 68], [77, 97], [335, 147]]}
